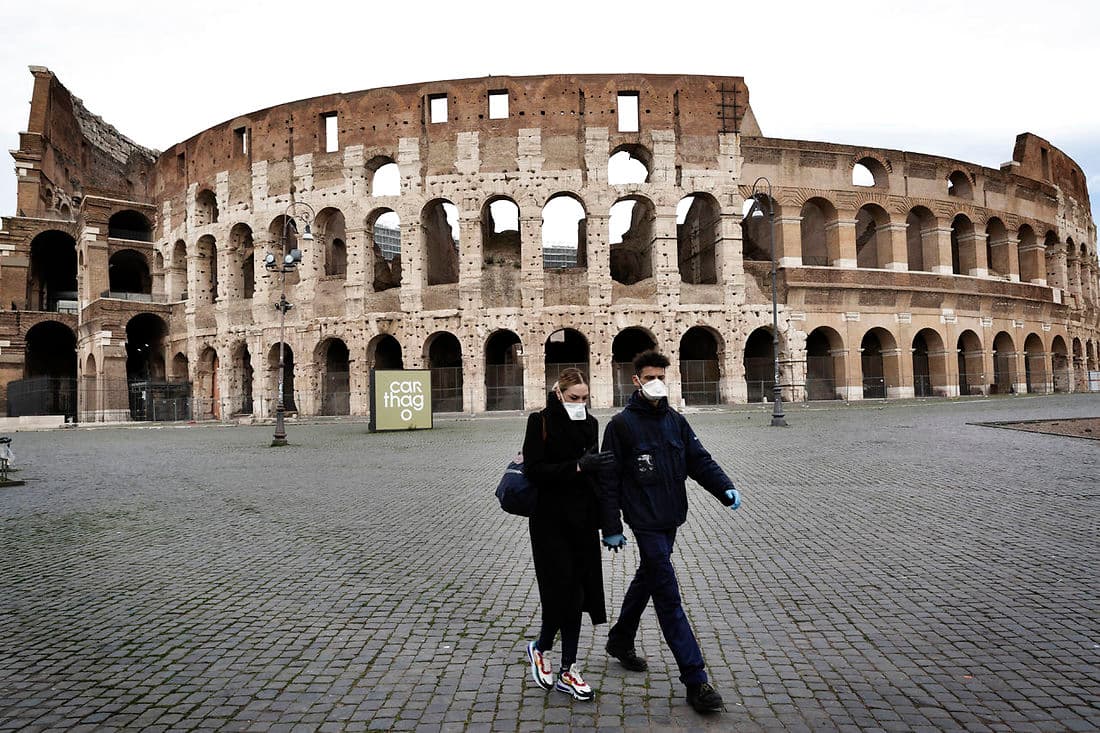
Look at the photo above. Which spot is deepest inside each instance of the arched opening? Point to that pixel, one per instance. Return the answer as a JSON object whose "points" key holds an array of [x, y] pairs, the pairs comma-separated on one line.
{"points": [[627, 344], [500, 235], [385, 177], [440, 236], [206, 270], [759, 365], [283, 236], [869, 172], [177, 271], [52, 282], [385, 228], [128, 273], [90, 401], [206, 208], [997, 252], [920, 239], [242, 282], [698, 219], [756, 228], [818, 215], [929, 364], [287, 376], [444, 354], [181, 367], [964, 246], [700, 367], [207, 389], [874, 367], [971, 364], [825, 368], [628, 164], [330, 228], [129, 224], [503, 371], [564, 233], [240, 380], [145, 369], [631, 229], [1004, 363], [565, 348], [1028, 262], [872, 239], [386, 353], [334, 364], [48, 386], [1060, 365], [1035, 362], [958, 185]]}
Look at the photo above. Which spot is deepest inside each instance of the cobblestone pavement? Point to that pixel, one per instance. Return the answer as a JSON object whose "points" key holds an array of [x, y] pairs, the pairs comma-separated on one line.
{"points": [[893, 568]]}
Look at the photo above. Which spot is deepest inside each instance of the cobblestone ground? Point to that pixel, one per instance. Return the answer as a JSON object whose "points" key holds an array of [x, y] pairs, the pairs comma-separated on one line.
{"points": [[893, 568]]}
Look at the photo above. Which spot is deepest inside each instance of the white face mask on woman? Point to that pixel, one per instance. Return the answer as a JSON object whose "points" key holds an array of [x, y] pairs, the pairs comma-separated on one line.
{"points": [[575, 410], [655, 389]]}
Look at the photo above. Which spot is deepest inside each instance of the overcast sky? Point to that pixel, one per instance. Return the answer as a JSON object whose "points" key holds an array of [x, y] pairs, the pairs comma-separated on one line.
{"points": [[957, 78]]}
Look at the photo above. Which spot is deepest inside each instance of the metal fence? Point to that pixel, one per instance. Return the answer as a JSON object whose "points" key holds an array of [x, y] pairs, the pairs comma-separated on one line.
{"points": [[699, 382], [446, 389], [42, 396], [503, 387]]}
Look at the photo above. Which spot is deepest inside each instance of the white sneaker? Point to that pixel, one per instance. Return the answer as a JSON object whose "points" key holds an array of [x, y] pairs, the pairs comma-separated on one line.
{"points": [[541, 671], [571, 683]]}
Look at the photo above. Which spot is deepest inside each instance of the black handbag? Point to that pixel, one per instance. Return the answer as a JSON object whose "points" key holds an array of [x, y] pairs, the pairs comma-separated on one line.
{"points": [[515, 493]]}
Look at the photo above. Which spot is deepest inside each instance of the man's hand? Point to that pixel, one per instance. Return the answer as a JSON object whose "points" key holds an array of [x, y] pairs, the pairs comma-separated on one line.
{"points": [[735, 496], [614, 542], [591, 462]]}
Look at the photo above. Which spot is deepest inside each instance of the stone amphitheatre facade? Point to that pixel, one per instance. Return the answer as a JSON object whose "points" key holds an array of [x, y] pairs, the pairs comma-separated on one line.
{"points": [[495, 229]]}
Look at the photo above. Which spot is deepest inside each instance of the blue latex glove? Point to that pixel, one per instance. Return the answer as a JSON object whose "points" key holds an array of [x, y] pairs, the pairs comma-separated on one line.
{"points": [[735, 496], [614, 542]]}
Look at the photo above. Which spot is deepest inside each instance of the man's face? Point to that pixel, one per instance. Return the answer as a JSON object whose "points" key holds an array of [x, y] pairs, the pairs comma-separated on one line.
{"points": [[648, 374]]}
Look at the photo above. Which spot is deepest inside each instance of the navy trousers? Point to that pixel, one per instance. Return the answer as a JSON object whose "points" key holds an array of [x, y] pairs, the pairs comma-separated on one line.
{"points": [[656, 579]]}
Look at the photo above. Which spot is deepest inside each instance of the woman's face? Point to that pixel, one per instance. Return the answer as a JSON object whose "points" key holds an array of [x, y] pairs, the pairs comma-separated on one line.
{"points": [[576, 394]]}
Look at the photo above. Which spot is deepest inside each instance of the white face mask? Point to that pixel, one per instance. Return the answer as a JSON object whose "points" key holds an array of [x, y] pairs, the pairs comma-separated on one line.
{"points": [[575, 410], [655, 389]]}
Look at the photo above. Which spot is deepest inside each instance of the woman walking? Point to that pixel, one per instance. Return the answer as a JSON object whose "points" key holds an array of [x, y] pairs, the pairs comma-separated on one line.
{"points": [[560, 458]]}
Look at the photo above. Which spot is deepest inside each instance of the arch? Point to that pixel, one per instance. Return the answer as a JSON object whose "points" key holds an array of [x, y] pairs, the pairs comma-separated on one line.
{"points": [[177, 271], [181, 367], [698, 233], [1004, 364], [385, 176], [385, 228], [286, 375], [920, 239], [929, 364], [869, 172], [818, 218], [756, 228], [759, 365], [825, 364], [48, 386], [1029, 269], [700, 366], [90, 397], [500, 231], [872, 242], [240, 379], [207, 398], [879, 361], [503, 371], [629, 164], [1061, 368], [333, 366], [145, 345], [52, 276], [627, 344], [1035, 363], [443, 355], [131, 225], [128, 272], [206, 270], [283, 236], [966, 252], [971, 363], [242, 281], [385, 352], [959, 185], [440, 236], [564, 348], [998, 255], [564, 232], [631, 235], [206, 208], [331, 230]]}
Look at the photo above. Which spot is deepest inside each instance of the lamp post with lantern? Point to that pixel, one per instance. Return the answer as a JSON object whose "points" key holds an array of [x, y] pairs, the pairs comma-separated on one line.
{"points": [[761, 196]]}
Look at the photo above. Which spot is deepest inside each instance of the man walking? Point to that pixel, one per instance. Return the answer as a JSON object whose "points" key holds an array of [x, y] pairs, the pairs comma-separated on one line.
{"points": [[655, 451]]}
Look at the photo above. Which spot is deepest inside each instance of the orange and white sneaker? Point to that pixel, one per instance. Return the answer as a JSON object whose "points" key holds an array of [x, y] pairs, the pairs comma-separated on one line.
{"points": [[541, 671], [571, 683]]}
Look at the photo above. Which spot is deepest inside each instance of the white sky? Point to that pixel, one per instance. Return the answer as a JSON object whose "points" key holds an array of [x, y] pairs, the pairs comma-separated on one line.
{"points": [[956, 78]]}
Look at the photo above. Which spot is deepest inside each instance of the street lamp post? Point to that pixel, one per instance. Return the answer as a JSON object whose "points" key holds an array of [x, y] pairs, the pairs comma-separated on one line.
{"points": [[295, 212], [758, 194]]}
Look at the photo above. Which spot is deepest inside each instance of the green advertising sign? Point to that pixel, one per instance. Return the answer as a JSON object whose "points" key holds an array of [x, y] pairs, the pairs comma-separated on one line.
{"points": [[400, 399]]}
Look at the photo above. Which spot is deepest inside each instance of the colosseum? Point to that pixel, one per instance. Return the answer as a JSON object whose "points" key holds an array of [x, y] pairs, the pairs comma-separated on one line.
{"points": [[493, 230]]}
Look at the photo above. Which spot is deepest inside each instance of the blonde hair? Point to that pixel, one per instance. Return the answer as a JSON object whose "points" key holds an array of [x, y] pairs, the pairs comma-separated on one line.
{"points": [[569, 377]]}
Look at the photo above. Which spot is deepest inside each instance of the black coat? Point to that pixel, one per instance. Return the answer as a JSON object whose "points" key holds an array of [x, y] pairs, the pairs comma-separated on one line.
{"points": [[565, 538]]}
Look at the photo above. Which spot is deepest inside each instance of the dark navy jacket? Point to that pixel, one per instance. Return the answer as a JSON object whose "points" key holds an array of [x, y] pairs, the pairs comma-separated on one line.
{"points": [[656, 451]]}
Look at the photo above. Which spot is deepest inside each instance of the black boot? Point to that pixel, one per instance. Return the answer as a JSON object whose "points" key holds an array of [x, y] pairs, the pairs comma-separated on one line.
{"points": [[703, 698], [627, 656]]}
